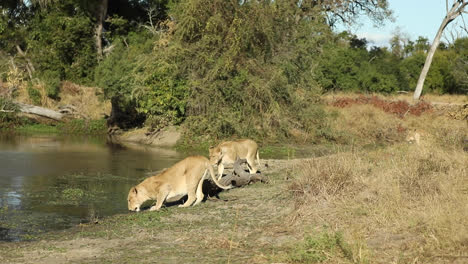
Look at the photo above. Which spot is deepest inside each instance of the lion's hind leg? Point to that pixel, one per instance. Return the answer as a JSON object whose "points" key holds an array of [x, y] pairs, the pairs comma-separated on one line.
{"points": [[199, 192], [190, 199], [251, 163]]}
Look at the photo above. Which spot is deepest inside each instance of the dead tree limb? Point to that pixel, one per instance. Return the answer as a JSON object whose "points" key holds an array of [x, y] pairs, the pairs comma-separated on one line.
{"points": [[456, 10], [240, 177], [29, 66], [40, 111]]}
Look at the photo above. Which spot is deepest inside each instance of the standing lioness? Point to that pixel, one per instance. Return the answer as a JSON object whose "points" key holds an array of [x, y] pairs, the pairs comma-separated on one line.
{"points": [[228, 151], [185, 177]]}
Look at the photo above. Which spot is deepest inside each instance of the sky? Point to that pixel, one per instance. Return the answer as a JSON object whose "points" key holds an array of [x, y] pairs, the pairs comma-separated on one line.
{"points": [[413, 18]]}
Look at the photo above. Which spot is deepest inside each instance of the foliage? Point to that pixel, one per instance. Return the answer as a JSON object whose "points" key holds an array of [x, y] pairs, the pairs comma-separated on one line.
{"points": [[8, 117], [460, 65], [115, 73], [61, 43], [52, 83], [348, 65], [34, 95], [220, 68], [161, 94], [248, 66]]}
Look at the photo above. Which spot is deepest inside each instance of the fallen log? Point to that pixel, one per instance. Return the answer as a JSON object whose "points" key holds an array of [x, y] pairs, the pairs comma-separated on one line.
{"points": [[40, 111], [238, 177]]}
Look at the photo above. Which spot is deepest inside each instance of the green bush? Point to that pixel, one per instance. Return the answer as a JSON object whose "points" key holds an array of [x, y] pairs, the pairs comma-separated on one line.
{"points": [[34, 94], [61, 44], [8, 117], [52, 83], [245, 65]]}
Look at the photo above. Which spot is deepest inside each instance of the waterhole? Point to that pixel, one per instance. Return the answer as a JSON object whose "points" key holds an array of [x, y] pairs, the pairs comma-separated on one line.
{"points": [[53, 182]]}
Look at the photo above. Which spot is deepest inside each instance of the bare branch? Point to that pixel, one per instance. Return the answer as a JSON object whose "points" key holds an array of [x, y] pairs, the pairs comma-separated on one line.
{"points": [[456, 10]]}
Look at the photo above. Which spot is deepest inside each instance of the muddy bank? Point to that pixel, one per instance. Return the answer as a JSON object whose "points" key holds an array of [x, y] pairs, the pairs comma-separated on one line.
{"points": [[166, 137]]}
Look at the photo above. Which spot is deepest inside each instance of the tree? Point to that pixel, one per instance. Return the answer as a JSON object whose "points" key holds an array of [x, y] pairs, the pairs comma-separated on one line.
{"points": [[457, 9], [100, 17], [460, 67], [347, 11]]}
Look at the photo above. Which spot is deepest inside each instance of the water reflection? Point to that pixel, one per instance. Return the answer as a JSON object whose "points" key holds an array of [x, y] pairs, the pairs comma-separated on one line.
{"points": [[49, 182]]}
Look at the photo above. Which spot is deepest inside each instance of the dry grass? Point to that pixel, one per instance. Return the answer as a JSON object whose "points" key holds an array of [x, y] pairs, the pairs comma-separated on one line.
{"points": [[85, 100], [364, 124], [408, 97], [24, 97], [407, 203]]}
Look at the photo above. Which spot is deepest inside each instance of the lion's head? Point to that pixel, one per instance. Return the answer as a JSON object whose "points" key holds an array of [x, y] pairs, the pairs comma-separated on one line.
{"points": [[135, 199], [215, 155]]}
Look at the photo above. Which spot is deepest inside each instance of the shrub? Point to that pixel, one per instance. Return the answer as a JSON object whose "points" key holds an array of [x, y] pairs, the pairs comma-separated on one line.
{"points": [[61, 44], [34, 95], [8, 117], [52, 83]]}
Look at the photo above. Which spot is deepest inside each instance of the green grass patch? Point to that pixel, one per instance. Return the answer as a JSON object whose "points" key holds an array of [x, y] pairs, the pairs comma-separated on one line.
{"points": [[320, 248], [38, 128], [81, 126], [190, 147], [75, 126], [277, 152]]}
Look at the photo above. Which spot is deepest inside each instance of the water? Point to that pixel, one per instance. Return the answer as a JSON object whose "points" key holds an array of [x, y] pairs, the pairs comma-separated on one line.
{"points": [[50, 182]]}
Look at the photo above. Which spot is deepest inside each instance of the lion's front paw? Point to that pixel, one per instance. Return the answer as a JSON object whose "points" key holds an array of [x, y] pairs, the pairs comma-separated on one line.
{"points": [[154, 208]]}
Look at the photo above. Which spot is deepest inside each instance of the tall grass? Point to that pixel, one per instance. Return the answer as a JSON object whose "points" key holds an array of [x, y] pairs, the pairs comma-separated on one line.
{"points": [[396, 204], [415, 191]]}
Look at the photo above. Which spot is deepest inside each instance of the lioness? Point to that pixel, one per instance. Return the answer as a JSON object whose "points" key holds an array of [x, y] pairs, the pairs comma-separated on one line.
{"points": [[228, 151], [185, 177], [414, 136]]}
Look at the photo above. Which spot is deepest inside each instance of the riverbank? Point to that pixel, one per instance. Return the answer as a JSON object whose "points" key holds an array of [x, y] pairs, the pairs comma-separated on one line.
{"points": [[390, 188], [404, 203], [212, 232]]}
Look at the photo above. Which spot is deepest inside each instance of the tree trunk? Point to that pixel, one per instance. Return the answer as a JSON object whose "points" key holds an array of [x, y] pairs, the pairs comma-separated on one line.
{"points": [[455, 11], [41, 111], [29, 66], [101, 16]]}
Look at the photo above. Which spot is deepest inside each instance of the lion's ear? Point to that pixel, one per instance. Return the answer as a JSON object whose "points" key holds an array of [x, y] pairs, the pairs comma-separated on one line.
{"points": [[135, 190], [211, 147]]}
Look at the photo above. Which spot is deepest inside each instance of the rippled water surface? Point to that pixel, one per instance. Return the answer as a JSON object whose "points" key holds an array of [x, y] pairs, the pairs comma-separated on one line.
{"points": [[54, 182]]}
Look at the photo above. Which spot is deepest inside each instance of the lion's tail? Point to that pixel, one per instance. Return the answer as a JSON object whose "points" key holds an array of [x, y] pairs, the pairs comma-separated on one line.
{"points": [[210, 168]]}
